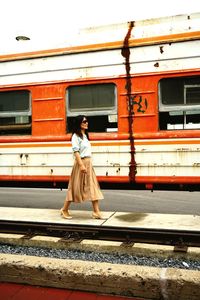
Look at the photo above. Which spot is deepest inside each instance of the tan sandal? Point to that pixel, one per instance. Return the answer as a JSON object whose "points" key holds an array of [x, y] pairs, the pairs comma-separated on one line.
{"points": [[65, 214], [96, 215]]}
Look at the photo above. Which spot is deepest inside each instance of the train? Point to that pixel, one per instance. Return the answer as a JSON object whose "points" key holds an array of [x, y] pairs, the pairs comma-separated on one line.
{"points": [[137, 82]]}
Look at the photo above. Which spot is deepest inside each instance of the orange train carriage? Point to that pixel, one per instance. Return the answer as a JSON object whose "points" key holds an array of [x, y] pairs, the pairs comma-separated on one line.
{"points": [[138, 85]]}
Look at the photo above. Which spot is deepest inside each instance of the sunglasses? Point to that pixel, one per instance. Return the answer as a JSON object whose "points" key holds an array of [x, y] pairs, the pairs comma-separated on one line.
{"points": [[84, 121]]}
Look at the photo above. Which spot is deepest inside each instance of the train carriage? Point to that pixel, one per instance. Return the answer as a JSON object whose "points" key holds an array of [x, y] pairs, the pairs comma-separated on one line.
{"points": [[138, 83]]}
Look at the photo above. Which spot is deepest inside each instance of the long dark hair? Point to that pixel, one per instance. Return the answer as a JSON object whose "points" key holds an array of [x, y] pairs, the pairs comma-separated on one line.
{"points": [[77, 126]]}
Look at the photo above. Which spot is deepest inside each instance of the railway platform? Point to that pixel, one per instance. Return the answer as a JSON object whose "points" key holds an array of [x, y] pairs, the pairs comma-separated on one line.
{"points": [[98, 278], [169, 229], [114, 219]]}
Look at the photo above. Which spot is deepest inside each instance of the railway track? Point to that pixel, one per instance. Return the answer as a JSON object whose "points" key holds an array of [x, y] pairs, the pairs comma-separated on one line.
{"points": [[181, 239]]}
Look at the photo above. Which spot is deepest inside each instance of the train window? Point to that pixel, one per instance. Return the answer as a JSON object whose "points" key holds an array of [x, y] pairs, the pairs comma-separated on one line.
{"points": [[179, 106], [15, 112], [97, 101]]}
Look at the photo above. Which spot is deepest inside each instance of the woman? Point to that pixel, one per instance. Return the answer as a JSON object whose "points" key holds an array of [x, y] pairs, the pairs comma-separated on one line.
{"points": [[83, 183]]}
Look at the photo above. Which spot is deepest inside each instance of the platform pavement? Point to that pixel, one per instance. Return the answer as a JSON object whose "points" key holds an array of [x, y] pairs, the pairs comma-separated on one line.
{"points": [[115, 219]]}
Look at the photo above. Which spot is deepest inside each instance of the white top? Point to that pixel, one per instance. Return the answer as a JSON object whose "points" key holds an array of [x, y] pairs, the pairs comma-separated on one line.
{"points": [[82, 146]]}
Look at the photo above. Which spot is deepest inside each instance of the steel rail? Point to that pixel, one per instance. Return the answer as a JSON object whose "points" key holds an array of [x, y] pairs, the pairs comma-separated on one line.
{"points": [[178, 238]]}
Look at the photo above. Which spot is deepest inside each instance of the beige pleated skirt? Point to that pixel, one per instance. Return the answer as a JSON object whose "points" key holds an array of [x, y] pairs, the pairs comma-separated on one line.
{"points": [[83, 186]]}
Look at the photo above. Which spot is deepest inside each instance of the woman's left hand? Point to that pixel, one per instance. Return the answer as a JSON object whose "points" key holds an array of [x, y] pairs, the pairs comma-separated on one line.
{"points": [[83, 169]]}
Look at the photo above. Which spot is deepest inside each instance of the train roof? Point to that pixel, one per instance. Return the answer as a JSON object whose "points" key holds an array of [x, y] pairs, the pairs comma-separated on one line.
{"points": [[134, 33]]}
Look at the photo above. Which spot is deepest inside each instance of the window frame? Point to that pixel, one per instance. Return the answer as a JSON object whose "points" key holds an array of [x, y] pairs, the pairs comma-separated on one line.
{"points": [[17, 127], [88, 111], [177, 107], [182, 108], [17, 113]]}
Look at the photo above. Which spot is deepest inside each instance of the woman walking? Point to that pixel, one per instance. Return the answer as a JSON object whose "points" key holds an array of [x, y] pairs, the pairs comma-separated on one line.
{"points": [[83, 184]]}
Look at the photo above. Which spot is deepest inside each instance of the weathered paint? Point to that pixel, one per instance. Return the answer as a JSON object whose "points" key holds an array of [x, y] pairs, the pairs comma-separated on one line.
{"points": [[103, 64], [155, 158]]}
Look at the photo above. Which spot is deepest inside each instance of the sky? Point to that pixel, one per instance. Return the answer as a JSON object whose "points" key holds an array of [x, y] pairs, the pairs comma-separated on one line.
{"points": [[48, 23]]}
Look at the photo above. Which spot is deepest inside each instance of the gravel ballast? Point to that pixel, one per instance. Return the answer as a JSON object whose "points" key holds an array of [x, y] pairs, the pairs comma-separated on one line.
{"points": [[114, 258]]}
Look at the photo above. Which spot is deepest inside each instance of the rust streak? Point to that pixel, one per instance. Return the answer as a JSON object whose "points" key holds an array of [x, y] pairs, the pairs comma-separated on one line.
{"points": [[161, 49], [126, 54]]}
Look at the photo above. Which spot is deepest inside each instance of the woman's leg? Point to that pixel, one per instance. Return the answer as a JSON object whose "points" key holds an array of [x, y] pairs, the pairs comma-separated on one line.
{"points": [[66, 205], [64, 211], [95, 205], [96, 211]]}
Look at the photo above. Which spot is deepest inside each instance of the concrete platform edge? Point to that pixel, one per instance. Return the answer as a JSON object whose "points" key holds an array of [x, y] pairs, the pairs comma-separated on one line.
{"points": [[122, 280]]}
